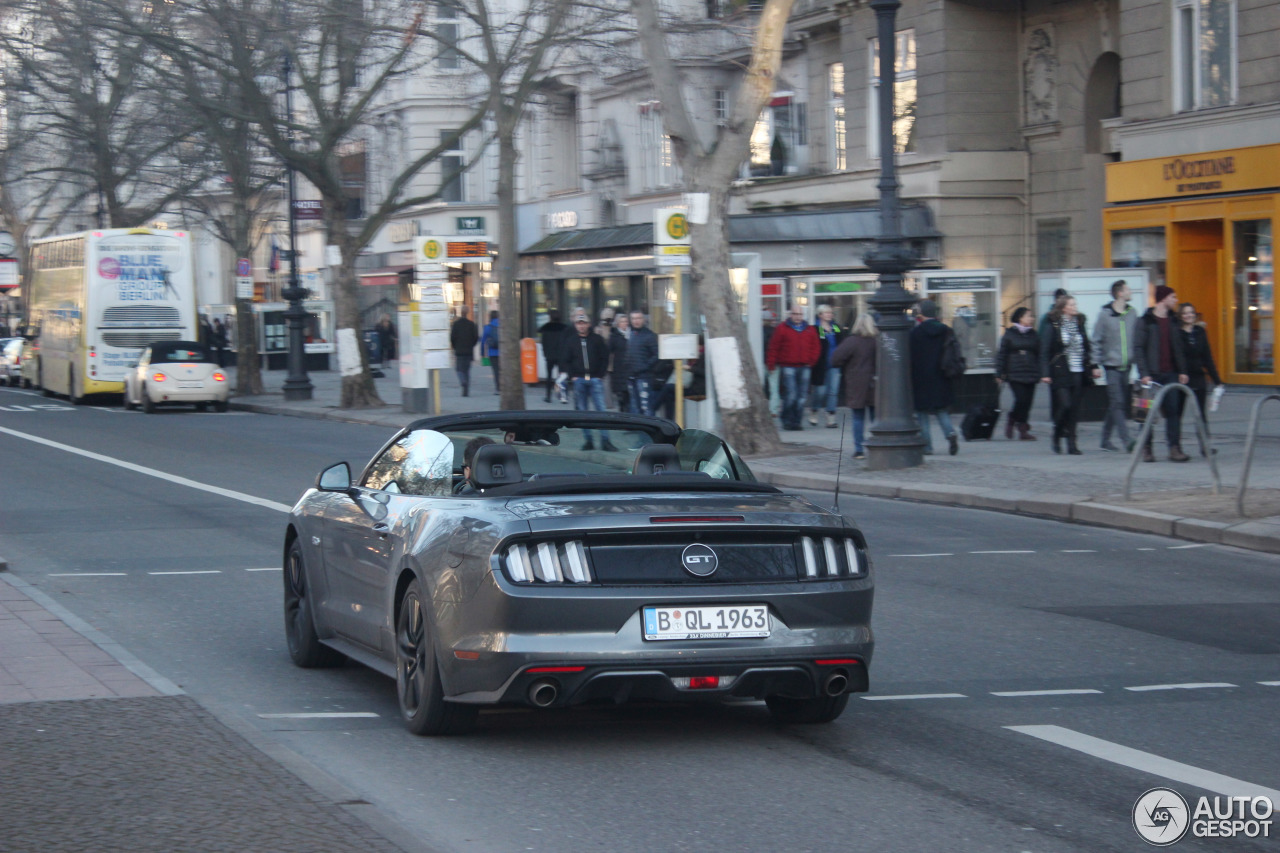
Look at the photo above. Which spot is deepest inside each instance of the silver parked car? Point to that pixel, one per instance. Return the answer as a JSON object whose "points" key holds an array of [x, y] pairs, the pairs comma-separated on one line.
{"points": [[11, 361], [490, 558]]}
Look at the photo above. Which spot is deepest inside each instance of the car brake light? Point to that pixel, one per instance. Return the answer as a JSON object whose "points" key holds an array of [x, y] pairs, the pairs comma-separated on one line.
{"points": [[159, 377], [218, 377]]}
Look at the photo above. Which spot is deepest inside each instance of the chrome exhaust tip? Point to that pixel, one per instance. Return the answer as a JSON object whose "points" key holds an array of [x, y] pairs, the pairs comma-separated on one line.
{"points": [[543, 692], [835, 684]]}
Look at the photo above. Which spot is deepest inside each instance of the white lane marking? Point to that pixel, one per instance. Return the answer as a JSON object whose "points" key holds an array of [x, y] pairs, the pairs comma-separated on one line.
{"points": [[1201, 685], [151, 472], [87, 574], [201, 572], [1070, 692], [1080, 551], [919, 555], [320, 715], [267, 569], [1147, 762], [1193, 545], [1270, 683], [916, 696], [1146, 549], [1002, 552]]}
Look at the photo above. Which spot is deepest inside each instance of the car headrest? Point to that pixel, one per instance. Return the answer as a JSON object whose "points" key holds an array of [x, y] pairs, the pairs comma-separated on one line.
{"points": [[495, 465], [656, 459]]}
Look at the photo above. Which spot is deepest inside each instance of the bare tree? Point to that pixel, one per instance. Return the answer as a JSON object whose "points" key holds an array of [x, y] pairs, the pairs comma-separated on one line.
{"points": [[344, 58], [710, 168], [105, 130]]}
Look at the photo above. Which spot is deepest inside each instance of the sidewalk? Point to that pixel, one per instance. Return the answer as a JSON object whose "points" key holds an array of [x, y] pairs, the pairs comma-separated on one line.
{"points": [[102, 754], [1008, 476]]}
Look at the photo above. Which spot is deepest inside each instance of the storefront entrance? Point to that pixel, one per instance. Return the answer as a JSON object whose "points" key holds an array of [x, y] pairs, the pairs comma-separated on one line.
{"points": [[1196, 271]]}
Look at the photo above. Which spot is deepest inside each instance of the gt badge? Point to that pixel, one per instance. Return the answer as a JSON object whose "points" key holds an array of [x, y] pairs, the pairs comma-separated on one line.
{"points": [[699, 560]]}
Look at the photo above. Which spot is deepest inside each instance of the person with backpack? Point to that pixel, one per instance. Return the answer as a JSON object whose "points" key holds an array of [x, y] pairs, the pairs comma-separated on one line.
{"points": [[935, 363], [1066, 362], [1018, 366], [489, 349]]}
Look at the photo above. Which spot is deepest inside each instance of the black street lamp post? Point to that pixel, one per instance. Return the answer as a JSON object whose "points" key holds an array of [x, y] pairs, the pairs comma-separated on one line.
{"points": [[297, 386], [895, 440]]}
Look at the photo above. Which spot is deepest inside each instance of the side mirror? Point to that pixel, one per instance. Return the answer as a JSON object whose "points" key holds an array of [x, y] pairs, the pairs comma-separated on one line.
{"points": [[335, 478]]}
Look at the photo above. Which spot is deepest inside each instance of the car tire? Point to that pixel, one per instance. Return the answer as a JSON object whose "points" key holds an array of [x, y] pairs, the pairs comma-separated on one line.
{"points": [[148, 405], [219, 405], [418, 689], [822, 709], [305, 647], [125, 401], [201, 407]]}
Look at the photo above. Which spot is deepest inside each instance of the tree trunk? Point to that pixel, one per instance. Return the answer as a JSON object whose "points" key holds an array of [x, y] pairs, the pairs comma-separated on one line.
{"points": [[358, 390], [512, 390], [744, 409], [248, 366]]}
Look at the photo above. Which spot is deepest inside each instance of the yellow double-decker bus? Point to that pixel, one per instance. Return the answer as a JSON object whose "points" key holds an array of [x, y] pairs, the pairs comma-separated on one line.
{"points": [[95, 299]]}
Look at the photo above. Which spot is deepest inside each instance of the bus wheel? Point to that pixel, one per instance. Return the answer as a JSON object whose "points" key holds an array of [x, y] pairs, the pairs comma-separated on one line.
{"points": [[76, 400]]}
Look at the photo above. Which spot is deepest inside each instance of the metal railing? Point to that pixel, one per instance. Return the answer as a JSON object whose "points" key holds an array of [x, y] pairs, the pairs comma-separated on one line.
{"points": [[1254, 417], [1153, 416]]}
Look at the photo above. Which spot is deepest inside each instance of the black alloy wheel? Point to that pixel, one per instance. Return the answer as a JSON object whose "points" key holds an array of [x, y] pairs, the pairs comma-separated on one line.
{"points": [[305, 647], [822, 709], [422, 705]]}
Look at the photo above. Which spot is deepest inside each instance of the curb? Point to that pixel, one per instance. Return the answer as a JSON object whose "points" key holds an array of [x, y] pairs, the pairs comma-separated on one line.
{"points": [[1254, 535]]}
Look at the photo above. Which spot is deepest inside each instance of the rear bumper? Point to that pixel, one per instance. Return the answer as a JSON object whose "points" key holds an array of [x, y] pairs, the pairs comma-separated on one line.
{"points": [[186, 395]]}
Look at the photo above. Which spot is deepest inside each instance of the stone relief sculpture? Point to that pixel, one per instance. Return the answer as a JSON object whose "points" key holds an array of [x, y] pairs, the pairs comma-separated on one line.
{"points": [[1040, 75]]}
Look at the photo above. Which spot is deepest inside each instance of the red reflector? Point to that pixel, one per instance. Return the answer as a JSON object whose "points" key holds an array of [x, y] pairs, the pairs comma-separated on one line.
{"points": [[159, 377], [704, 682], [460, 655], [697, 519], [837, 662], [556, 669]]}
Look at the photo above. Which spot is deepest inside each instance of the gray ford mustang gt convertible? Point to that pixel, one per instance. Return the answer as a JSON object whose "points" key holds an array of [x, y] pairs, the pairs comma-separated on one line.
{"points": [[499, 558]]}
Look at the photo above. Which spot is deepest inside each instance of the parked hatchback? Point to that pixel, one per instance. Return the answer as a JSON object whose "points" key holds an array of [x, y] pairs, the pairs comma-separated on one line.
{"points": [[171, 372]]}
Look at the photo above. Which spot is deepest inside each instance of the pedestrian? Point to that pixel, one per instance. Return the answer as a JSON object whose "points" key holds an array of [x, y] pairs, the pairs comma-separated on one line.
{"points": [[605, 327], [463, 336], [618, 337], [1199, 358], [551, 334], [1042, 330], [824, 382], [769, 322], [1066, 363], [693, 379], [489, 348], [641, 361], [855, 358], [386, 332], [1018, 366], [1157, 349], [930, 386], [584, 358], [218, 338], [205, 333], [793, 349], [1113, 337]]}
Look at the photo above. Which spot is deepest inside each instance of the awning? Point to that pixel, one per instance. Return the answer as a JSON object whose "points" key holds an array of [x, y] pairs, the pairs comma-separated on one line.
{"points": [[384, 276]]}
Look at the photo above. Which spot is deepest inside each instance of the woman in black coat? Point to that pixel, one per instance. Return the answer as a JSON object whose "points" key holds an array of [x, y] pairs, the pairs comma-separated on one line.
{"points": [[1018, 366], [1199, 358], [1066, 365]]}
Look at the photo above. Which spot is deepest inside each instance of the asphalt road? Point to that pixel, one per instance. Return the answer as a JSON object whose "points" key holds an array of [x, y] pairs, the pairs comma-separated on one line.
{"points": [[971, 607]]}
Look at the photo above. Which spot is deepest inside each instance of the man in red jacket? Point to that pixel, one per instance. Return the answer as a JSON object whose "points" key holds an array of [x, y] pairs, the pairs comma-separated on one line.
{"points": [[794, 349]]}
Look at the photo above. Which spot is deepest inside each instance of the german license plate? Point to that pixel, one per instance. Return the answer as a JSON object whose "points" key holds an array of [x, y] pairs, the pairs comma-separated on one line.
{"points": [[715, 622], [190, 384]]}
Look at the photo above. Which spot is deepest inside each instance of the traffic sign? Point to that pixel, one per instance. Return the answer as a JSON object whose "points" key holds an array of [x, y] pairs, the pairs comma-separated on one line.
{"points": [[244, 267]]}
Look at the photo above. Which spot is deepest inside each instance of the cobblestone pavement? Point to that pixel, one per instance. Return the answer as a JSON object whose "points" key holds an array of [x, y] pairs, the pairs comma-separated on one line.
{"points": [[95, 758]]}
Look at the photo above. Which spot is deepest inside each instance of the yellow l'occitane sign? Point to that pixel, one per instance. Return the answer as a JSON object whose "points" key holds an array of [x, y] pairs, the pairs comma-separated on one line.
{"points": [[1233, 170]]}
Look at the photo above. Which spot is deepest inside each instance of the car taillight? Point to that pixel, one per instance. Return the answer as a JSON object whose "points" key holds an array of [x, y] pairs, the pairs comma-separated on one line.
{"points": [[218, 377], [159, 377], [829, 557], [703, 682], [547, 562]]}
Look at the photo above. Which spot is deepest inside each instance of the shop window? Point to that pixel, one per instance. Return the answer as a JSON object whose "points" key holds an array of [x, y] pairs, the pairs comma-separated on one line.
{"points": [[1254, 302], [1053, 244], [835, 109], [1140, 247], [904, 96], [1204, 72]]}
